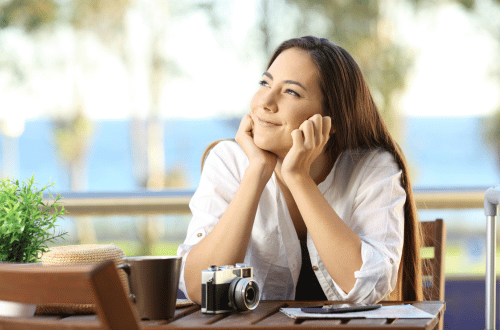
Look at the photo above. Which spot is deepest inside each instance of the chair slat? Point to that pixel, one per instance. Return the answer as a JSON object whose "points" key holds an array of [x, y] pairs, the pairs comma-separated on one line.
{"points": [[434, 235], [107, 287], [30, 284], [75, 284], [428, 233]]}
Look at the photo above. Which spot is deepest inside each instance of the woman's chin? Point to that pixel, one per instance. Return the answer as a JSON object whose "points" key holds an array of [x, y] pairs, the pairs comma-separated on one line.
{"points": [[270, 145], [264, 144]]}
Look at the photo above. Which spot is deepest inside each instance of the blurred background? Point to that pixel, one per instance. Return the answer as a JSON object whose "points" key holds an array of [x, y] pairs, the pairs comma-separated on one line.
{"points": [[115, 100]]}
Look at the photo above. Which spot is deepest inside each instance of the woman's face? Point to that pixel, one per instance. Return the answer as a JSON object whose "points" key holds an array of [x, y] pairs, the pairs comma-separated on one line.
{"points": [[289, 95]]}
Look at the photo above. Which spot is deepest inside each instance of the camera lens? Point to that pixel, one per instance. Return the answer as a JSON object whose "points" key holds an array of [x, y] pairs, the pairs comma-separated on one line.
{"points": [[250, 294], [244, 294]]}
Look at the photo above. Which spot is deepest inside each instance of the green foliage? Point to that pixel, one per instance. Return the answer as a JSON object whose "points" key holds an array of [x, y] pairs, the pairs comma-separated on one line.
{"points": [[27, 223]]}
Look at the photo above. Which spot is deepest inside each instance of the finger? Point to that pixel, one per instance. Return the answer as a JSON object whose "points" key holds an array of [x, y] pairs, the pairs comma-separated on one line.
{"points": [[246, 124], [298, 138], [245, 130], [327, 126], [307, 128], [317, 120], [250, 119]]}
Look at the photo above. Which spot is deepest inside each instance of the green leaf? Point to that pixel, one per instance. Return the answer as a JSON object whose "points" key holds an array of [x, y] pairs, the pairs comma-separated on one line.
{"points": [[26, 222]]}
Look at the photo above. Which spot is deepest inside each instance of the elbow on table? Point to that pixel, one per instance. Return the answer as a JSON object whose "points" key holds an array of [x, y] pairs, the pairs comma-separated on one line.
{"points": [[195, 296], [193, 289], [369, 290]]}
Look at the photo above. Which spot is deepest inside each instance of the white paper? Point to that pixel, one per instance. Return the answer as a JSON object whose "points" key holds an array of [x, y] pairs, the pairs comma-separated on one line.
{"points": [[384, 312]]}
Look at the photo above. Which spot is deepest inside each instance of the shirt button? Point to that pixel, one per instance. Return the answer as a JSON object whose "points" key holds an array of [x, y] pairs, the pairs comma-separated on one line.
{"points": [[392, 261], [315, 268], [199, 234]]}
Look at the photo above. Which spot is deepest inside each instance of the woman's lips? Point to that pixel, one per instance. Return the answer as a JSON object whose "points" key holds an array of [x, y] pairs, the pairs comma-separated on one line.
{"points": [[267, 123]]}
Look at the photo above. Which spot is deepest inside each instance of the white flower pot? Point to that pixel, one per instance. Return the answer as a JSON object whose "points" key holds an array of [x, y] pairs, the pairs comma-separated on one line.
{"points": [[9, 308]]}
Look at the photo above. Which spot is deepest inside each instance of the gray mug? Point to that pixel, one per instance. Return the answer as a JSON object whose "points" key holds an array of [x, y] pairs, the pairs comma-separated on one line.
{"points": [[154, 282]]}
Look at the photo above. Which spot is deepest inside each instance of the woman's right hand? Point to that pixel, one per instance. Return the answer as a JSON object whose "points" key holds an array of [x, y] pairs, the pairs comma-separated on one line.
{"points": [[257, 156], [227, 242]]}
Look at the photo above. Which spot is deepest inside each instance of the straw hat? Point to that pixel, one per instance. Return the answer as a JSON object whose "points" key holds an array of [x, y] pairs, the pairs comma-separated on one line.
{"points": [[81, 254]]}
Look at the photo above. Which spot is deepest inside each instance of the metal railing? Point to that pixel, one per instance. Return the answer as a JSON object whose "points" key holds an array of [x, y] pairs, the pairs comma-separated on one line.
{"points": [[177, 201], [130, 203], [150, 205]]}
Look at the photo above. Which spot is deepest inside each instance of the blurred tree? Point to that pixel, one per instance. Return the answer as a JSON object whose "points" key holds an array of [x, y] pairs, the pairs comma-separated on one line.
{"points": [[492, 133], [107, 20], [176, 177], [103, 19], [29, 15], [72, 134], [73, 137], [486, 15], [264, 25], [147, 138]]}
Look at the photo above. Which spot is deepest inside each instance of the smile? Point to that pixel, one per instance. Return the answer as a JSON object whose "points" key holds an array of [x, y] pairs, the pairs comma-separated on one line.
{"points": [[267, 123]]}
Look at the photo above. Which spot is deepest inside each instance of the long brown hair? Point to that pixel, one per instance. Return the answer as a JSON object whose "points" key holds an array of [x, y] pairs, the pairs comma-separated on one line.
{"points": [[358, 125]]}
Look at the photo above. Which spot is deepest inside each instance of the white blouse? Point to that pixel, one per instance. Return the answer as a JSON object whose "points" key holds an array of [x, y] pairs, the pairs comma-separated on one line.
{"points": [[364, 188]]}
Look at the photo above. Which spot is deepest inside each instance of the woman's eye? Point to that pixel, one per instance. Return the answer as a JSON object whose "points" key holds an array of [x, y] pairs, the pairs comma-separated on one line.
{"points": [[292, 92], [263, 83]]}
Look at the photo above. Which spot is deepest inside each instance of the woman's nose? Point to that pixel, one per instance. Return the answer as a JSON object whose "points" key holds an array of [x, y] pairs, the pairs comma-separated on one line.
{"points": [[268, 101]]}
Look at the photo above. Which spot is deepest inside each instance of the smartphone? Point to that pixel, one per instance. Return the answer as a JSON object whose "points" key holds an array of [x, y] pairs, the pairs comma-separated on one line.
{"points": [[340, 308]]}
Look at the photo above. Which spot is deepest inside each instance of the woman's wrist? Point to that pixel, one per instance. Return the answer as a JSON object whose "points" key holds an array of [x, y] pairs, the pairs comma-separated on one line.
{"points": [[296, 179], [260, 172]]}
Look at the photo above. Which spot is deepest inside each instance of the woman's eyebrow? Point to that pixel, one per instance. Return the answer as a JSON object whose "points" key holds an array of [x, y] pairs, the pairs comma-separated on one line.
{"points": [[295, 83], [267, 74], [270, 76]]}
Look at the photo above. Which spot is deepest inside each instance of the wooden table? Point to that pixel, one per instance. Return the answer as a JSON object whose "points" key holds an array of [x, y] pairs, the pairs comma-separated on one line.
{"points": [[265, 317]]}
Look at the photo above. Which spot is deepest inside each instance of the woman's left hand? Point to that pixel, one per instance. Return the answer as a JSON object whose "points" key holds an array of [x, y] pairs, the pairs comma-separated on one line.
{"points": [[309, 141]]}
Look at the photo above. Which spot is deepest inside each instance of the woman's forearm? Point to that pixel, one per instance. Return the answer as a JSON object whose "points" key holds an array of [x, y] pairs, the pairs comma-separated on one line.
{"points": [[227, 243], [338, 246]]}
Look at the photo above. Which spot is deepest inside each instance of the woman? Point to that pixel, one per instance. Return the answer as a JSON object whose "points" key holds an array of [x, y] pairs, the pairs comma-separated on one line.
{"points": [[313, 194]]}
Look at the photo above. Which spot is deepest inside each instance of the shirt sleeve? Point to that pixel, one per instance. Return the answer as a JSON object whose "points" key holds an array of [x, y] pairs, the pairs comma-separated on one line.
{"points": [[220, 179], [378, 219]]}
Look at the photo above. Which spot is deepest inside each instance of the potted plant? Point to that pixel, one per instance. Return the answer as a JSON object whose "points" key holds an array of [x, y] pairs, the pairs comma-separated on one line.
{"points": [[27, 225]]}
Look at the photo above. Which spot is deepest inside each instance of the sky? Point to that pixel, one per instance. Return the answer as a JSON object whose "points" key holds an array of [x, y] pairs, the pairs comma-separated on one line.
{"points": [[451, 77]]}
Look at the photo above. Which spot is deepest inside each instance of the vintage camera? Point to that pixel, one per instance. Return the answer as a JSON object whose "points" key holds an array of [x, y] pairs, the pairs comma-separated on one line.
{"points": [[228, 288]]}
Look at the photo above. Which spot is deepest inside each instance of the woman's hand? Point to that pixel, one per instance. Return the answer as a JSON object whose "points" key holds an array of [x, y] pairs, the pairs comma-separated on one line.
{"points": [[257, 156], [309, 141]]}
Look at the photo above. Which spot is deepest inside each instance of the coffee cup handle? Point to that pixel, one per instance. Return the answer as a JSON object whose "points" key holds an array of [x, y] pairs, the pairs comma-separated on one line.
{"points": [[126, 268]]}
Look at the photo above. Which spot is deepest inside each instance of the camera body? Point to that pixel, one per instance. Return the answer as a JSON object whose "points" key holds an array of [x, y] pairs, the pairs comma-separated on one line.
{"points": [[228, 288]]}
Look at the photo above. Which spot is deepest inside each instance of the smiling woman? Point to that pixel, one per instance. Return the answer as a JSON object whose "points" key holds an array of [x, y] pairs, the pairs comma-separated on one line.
{"points": [[313, 193], [291, 85]]}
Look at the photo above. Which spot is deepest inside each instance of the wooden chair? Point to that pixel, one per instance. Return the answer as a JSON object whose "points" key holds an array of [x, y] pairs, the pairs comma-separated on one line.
{"points": [[434, 236], [79, 284]]}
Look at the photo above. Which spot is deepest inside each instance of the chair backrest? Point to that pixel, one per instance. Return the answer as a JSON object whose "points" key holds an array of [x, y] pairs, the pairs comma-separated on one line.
{"points": [[434, 236], [80, 284]]}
